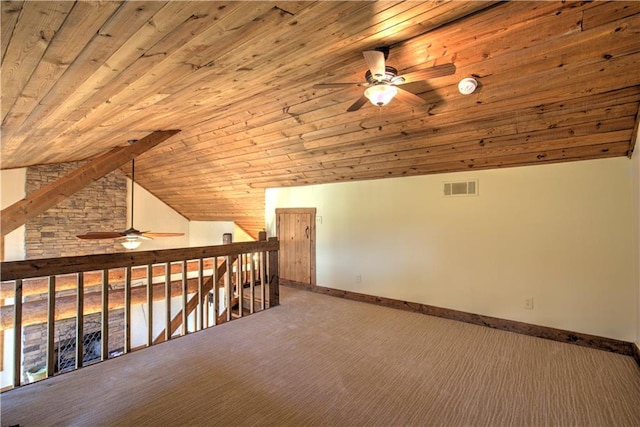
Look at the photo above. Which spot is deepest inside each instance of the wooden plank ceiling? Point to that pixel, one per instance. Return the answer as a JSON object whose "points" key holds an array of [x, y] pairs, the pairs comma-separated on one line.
{"points": [[559, 81]]}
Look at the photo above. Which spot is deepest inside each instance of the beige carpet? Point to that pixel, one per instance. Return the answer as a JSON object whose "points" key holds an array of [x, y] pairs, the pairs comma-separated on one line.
{"points": [[318, 360]]}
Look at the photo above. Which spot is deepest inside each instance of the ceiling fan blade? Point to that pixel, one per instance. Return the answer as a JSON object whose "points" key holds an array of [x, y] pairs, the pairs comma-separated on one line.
{"points": [[331, 85], [409, 98], [375, 62], [101, 235], [429, 73], [358, 104], [149, 234]]}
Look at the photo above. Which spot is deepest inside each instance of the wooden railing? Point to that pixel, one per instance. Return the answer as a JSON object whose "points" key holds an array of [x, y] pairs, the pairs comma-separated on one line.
{"points": [[216, 284]]}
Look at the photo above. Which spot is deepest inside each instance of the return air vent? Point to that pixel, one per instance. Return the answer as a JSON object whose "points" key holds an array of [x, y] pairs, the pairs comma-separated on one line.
{"points": [[461, 188]]}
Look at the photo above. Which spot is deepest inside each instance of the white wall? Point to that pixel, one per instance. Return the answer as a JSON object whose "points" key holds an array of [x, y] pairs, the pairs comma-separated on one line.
{"points": [[151, 214], [557, 233], [206, 233], [13, 185], [636, 229]]}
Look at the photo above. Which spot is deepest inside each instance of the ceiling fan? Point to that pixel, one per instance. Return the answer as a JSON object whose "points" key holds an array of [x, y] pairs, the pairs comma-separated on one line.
{"points": [[382, 81], [130, 238]]}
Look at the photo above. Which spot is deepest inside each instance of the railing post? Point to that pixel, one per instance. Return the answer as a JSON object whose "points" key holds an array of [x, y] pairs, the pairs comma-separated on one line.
{"points": [[201, 302], [252, 284], [127, 310], [274, 290], [51, 332], [263, 281], [228, 288], [104, 350], [149, 305], [17, 334], [184, 329], [167, 297], [262, 236], [80, 321], [239, 284], [216, 292]]}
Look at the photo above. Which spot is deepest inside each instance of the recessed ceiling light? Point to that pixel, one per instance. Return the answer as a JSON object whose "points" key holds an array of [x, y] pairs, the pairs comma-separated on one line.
{"points": [[467, 86]]}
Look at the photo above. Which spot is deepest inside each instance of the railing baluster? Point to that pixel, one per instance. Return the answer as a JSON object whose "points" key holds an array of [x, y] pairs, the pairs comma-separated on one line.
{"points": [[274, 291], [127, 310], [201, 304], [245, 269], [184, 330], [167, 298], [240, 285], [17, 334], [104, 350], [245, 272], [51, 332], [263, 282], [80, 321], [149, 305], [266, 275], [252, 282], [216, 292], [262, 236], [228, 288]]}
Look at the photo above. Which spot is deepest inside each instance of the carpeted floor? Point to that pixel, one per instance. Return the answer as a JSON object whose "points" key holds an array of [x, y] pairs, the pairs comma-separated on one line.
{"points": [[318, 360]]}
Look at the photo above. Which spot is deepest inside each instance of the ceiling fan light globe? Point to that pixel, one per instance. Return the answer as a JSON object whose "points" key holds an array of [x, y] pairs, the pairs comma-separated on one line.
{"points": [[131, 243], [381, 94]]}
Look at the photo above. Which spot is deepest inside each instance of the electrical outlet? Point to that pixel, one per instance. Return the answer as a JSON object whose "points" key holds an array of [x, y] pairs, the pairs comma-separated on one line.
{"points": [[359, 278], [528, 303]]}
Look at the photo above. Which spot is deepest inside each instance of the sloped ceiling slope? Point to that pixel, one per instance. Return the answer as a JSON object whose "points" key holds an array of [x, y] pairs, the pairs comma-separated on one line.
{"points": [[558, 81]]}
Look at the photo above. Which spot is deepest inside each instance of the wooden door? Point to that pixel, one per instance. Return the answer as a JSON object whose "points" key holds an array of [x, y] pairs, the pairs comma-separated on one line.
{"points": [[296, 230]]}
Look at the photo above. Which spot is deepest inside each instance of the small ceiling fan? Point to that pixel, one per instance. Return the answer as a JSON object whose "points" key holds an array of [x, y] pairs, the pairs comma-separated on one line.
{"points": [[130, 238], [382, 81]]}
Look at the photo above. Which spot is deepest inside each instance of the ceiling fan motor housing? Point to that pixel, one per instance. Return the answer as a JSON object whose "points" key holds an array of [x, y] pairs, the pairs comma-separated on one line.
{"points": [[390, 77]]}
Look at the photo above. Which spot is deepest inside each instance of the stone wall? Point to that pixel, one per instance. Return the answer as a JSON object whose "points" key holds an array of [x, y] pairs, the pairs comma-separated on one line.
{"points": [[101, 206]]}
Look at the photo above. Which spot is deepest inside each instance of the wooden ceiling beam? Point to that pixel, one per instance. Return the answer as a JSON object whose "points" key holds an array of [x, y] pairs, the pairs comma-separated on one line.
{"points": [[18, 213]]}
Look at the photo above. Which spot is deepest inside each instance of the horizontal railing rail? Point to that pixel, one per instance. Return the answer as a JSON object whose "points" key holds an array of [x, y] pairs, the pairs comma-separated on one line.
{"points": [[56, 266], [43, 294]]}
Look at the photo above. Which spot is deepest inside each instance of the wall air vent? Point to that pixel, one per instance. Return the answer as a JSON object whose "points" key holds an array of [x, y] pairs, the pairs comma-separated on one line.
{"points": [[461, 188]]}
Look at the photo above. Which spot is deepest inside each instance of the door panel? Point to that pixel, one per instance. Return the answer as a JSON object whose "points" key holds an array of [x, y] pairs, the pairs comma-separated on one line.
{"points": [[296, 233]]}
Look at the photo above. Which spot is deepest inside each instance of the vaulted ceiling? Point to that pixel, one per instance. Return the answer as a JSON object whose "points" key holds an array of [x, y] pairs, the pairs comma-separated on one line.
{"points": [[558, 81]]}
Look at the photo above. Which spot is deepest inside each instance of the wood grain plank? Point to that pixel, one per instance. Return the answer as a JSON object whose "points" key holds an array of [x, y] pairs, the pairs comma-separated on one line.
{"points": [[123, 23], [82, 23], [10, 12], [606, 12], [34, 29], [162, 24]]}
